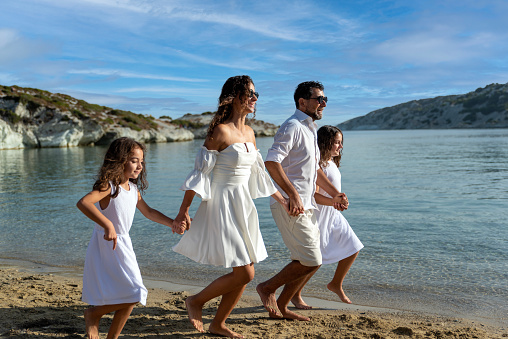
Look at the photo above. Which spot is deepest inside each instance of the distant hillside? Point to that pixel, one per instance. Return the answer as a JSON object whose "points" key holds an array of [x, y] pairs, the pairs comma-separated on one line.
{"points": [[484, 108], [198, 124], [32, 117]]}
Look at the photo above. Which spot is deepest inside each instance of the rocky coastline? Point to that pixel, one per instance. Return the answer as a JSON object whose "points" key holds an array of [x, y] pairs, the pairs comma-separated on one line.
{"points": [[483, 108], [33, 118]]}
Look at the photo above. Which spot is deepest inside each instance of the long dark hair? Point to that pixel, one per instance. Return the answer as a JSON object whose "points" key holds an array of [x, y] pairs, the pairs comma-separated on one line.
{"points": [[113, 166], [325, 138], [232, 87]]}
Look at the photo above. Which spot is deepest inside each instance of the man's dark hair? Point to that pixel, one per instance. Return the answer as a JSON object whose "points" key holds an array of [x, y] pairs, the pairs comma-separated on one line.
{"points": [[304, 90]]}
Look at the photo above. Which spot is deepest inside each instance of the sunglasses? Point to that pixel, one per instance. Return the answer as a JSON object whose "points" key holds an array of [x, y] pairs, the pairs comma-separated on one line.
{"points": [[320, 99], [253, 94]]}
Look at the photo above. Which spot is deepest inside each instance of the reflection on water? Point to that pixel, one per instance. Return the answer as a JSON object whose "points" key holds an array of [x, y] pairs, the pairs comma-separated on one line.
{"points": [[429, 206]]}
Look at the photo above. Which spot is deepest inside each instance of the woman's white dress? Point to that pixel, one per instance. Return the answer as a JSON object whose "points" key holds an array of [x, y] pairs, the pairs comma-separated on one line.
{"points": [[113, 276], [338, 240], [225, 230]]}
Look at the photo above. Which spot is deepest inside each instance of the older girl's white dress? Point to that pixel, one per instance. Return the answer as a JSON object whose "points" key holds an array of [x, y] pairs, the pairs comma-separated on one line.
{"points": [[225, 230], [113, 276], [338, 240]]}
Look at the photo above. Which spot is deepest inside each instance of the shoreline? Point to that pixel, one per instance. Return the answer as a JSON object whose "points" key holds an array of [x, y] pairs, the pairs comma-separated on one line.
{"points": [[35, 300]]}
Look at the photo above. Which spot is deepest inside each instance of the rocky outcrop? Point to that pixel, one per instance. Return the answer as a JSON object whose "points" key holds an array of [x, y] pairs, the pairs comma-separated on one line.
{"points": [[198, 124], [484, 108], [34, 118]]}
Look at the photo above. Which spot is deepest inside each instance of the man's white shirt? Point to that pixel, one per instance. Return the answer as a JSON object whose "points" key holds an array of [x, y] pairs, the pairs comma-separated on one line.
{"points": [[295, 148]]}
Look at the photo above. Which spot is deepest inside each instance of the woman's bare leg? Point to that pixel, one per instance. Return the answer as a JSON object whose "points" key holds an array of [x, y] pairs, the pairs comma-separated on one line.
{"points": [[228, 302], [231, 282]]}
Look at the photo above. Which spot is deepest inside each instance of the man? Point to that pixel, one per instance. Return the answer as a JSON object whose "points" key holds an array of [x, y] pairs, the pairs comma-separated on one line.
{"points": [[293, 163]]}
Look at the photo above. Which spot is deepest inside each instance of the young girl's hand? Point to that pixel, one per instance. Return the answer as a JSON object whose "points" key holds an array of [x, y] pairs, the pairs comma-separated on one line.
{"points": [[110, 234]]}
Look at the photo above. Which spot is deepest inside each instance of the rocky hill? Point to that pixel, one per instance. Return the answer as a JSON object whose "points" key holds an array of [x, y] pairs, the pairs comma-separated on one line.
{"points": [[198, 124], [32, 117], [35, 118], [484, 108]]}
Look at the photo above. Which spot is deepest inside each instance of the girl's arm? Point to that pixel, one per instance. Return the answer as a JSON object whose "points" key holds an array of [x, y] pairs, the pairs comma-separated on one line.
{"points": [[339, 198], [87, 206], [322, 200], [157, 216]]}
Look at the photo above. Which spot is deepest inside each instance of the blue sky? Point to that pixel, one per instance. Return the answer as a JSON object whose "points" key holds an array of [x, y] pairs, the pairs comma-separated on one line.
{"points": [[164, 57]]}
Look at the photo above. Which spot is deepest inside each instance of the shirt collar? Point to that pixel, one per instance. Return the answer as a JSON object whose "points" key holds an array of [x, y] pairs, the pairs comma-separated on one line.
{"points": [[304, 117]]}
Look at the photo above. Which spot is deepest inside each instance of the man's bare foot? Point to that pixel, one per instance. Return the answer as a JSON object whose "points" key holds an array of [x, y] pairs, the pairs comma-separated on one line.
{"points": [[340, 292], [287, 314], [224, 331], [300, 304], [195, 314], [91, 325], [269, 302]]}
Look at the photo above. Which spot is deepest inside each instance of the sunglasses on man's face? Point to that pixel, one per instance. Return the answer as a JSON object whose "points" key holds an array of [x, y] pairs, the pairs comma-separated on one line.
{"points": [[320, 99], [253, 94]]}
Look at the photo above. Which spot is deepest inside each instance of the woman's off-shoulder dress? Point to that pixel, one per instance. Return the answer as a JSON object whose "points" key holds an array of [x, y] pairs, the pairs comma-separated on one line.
{"points": [[225, 230]]}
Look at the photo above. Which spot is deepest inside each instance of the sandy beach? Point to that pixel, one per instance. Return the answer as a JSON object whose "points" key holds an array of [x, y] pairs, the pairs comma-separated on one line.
{"points": [[46, 303]]}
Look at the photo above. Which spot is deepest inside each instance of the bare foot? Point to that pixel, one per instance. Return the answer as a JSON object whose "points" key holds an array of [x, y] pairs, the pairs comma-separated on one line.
{"points": [[91, 325], [340, 292], [269, 302], [195, 314], [287, 314], [224, 331], [300, 304]]}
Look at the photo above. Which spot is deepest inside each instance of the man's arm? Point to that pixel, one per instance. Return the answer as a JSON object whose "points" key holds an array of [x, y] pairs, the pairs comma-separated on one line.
{"points": [[278, 175]]}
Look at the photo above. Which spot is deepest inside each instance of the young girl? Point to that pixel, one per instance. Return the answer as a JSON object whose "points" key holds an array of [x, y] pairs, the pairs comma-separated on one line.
{"points": [[112, 280], [339, 242], [229, 172]]}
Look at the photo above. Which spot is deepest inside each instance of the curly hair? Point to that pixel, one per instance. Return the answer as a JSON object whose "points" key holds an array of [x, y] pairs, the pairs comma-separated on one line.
{"points": [[304, 90], [326, 137], [232, 87], [112, 168]]}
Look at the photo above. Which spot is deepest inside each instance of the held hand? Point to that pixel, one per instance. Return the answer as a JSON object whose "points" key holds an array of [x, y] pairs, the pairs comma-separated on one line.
{"points": [[285, 204], [183, 219], [178, 227], [295, 206], [110, 234], [340, 202]]}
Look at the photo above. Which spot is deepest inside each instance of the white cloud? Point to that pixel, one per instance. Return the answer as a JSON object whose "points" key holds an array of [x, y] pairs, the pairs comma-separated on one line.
{"points": [[127, 74]]}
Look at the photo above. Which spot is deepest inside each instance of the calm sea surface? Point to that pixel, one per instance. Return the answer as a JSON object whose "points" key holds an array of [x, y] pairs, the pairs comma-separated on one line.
{"points": [[430, 206]]}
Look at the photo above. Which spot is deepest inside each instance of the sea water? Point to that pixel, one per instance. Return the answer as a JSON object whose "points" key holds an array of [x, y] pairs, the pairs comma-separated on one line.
{"points": [[430, 206]]}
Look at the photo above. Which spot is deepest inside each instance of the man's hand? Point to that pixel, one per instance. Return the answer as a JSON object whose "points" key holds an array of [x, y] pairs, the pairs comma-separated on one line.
{"points": [[295, 206]]}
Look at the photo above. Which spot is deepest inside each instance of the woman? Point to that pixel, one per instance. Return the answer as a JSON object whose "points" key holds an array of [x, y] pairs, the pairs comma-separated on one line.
{"points": [[229, 172]]}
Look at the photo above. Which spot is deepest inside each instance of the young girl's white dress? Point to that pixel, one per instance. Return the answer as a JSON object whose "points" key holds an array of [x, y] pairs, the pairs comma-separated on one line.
{"points": [[113, 276], [225, 230], [338, 240]]}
